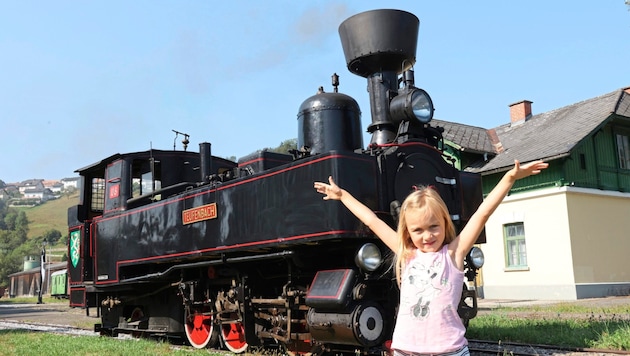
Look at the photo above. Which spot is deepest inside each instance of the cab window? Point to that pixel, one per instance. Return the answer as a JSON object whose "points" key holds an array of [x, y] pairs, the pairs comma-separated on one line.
{"points": [[146, 177]]}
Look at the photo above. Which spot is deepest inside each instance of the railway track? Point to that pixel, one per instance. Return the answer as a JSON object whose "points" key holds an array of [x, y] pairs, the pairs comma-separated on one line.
{"points": [[477, 347], [50, 328]]}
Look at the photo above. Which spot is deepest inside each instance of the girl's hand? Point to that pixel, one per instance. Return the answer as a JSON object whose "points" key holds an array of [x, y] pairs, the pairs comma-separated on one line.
{"points": [[330, 191], [528, 169]]}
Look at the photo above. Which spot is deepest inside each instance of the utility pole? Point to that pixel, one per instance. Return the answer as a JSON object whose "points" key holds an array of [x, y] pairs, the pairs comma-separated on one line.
{"points": [[42, 273]]}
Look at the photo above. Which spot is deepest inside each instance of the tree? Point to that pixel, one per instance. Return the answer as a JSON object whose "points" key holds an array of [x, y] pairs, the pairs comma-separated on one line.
{"points": [[21, 222], [64, 240], [3, 208], [14, 220], [13, 235], [10, 263], [52, 236], [286, 146], [69, 192], [9, 219], [12, 252]]}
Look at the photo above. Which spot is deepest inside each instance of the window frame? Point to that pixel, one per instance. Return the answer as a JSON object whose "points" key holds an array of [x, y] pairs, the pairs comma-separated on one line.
{"points": [[515, 240], [97, 187], [622, 145], [146, 177]]}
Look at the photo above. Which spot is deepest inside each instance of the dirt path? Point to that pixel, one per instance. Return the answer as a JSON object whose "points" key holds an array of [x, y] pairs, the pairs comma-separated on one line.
{"points": [[57, 314]]}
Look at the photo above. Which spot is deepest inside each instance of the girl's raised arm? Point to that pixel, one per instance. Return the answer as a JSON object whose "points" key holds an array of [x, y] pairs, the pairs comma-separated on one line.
{"points": [[332, 191], [462, 244]]}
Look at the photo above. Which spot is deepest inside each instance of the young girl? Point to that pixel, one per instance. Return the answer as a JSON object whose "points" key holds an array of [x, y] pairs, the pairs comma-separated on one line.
{"points": [[429, 261]]}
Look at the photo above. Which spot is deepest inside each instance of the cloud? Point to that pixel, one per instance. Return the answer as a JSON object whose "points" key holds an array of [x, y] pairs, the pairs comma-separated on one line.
{"points": [[317, 24], [306, 35]]}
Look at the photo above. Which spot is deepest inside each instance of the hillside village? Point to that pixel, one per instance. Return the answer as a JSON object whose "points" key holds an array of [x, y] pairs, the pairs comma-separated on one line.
{"points": [[33, 192], [26, 194]]}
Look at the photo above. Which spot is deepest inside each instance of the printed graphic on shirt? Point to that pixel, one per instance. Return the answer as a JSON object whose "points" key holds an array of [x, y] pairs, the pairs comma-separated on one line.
{"points": [[422, 284]]}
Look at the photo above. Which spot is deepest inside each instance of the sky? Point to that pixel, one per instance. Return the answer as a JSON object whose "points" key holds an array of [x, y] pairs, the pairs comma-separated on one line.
{"points": [[83, 80]]}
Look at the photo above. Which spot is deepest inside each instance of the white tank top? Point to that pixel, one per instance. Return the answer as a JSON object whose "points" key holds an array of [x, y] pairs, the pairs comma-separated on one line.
{"points": [[431, 288]]}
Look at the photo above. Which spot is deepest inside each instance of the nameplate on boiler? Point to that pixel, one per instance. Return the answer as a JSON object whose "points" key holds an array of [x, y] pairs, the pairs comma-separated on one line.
{"points": [[200, 213]]}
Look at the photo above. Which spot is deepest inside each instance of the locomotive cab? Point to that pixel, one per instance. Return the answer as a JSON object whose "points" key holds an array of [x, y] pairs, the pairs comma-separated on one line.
{"points": [[121, 182], [125, 181]]}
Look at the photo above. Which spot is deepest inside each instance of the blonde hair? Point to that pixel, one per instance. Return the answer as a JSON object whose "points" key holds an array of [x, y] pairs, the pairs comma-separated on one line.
{"points": [[427, 202]]}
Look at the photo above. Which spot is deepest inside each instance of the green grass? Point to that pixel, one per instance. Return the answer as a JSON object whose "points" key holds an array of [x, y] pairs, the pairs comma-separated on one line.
{"points": [[22, 342], [572, 308], [563, 325], [53, 214], [17, 342]]}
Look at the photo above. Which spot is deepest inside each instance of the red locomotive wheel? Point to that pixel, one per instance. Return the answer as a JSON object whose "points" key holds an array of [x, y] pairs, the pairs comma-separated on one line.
{"points": [[233, 335], [136, 315], [300, 348], [200, 330]]}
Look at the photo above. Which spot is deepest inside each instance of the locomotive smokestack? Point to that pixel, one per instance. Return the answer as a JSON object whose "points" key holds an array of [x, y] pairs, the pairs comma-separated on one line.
{"points": [[205, 161], [379, 45]]}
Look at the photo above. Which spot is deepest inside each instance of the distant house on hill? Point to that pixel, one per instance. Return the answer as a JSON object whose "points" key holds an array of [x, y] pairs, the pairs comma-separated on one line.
{"points": [[69, 183], [34, 191], [11, 191], [55, 186], [31, 184], [40, 195], [562, 234]]}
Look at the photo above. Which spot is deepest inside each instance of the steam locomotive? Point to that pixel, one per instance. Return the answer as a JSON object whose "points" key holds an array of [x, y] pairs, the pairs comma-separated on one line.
{"points": [[247, 254]]}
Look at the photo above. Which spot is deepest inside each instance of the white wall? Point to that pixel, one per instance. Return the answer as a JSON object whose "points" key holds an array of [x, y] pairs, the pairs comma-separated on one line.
{"points": [[549, 272], [577, 241]]}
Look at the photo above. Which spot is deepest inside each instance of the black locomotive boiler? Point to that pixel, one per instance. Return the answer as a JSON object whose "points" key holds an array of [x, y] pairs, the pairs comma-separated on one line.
{"points": [[247, 254]]}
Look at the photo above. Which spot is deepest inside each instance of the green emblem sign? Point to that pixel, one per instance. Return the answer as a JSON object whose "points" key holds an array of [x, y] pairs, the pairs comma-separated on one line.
{"points": [[75, 244]]}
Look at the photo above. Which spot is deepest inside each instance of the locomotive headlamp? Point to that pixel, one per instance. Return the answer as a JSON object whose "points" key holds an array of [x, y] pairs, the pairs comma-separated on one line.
{"points": [[368, 257], [412, 104], [476, 257]]}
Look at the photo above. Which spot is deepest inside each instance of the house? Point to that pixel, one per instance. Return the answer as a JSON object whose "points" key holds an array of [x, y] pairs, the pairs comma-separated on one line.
{"points": [[69, 183], [37, 194], [562, 234], [55, 186], [8, 192], [27, 283], [31, 184]]}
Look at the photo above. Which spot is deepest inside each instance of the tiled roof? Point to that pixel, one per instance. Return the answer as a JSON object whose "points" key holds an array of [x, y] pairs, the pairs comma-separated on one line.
{"points": [[470, 138], [554, 133], [544, 136]]}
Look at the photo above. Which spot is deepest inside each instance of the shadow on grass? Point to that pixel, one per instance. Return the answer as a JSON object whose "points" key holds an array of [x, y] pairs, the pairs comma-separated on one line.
{"points": [[14, 331]]}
